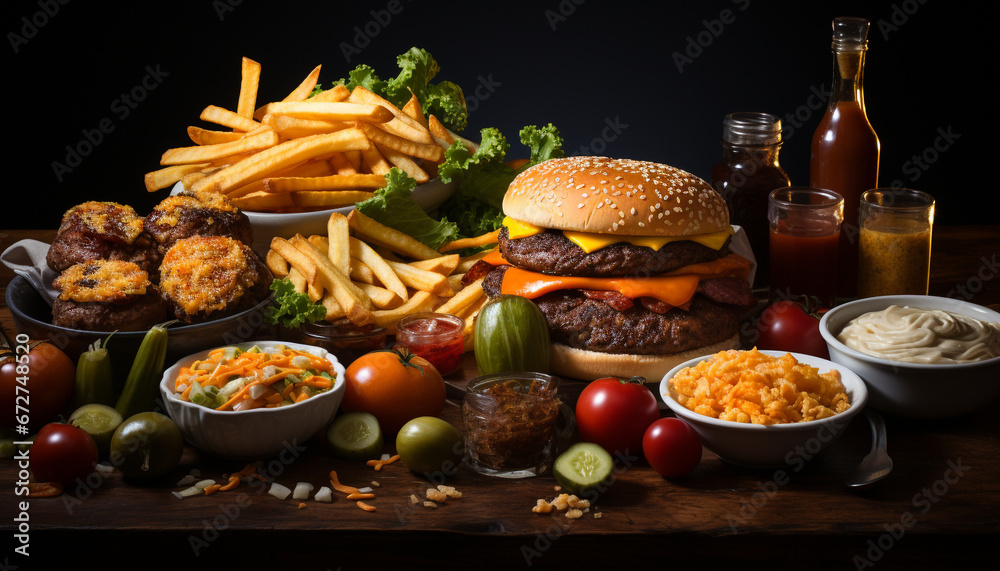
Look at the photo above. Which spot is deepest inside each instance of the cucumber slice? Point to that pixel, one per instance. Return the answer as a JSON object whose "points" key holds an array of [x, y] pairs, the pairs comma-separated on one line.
{"points": [[583, 467], [100, 421], [355, 435]]}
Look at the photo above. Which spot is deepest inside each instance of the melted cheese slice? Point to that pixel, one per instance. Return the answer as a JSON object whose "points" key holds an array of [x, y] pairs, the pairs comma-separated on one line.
{"points": [[674, 288], [592, 241]]}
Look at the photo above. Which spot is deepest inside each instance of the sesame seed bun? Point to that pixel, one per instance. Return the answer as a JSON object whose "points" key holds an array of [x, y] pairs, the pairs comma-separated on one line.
{"points": [[615, 196]]}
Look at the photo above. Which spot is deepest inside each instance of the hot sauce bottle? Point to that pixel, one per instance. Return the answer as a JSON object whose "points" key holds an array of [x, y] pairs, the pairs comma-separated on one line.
{"points": [[845, 148], [747, 173]]}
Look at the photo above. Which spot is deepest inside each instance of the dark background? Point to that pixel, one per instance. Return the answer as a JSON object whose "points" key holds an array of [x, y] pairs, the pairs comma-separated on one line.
{"points": [[583, 65]]}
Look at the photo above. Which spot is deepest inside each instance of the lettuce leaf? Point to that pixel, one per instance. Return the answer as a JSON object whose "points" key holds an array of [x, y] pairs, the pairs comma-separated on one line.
{"points": [[482, 177], [393, 205], [445, 100], [292, 308]]}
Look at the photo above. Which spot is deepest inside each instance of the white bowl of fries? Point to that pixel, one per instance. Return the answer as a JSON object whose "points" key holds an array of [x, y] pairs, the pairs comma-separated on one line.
{"points": [[267, 225], [290, 163]]}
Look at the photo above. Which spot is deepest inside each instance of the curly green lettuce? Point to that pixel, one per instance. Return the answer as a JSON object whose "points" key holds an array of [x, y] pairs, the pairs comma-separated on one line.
{"points": [[291, 308]]}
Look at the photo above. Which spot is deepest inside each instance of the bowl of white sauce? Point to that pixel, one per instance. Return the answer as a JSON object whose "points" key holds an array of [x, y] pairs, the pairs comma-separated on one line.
{"points": [[921, 356]]}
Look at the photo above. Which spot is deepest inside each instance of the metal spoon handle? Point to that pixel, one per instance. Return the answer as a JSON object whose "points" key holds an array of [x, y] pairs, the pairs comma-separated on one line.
{"points": [[878, 431]]}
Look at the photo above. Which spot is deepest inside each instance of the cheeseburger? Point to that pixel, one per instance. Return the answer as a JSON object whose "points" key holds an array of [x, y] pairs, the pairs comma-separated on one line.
{"points": [[628, 260]]}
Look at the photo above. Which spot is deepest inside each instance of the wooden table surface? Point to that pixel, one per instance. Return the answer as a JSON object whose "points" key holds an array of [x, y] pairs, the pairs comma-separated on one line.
{"points": [[940, 506]]}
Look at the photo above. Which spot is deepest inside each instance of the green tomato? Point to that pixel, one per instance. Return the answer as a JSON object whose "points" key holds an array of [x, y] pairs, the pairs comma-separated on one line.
{"points": [[147, 445], [430, 446]]}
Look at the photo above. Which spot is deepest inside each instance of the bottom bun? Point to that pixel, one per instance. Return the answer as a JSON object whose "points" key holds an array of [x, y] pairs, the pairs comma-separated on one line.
{"points": [[586, 365]]}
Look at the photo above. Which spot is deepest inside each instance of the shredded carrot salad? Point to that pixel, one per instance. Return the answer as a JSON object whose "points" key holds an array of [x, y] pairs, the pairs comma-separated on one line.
{"points": [[230, 378]]}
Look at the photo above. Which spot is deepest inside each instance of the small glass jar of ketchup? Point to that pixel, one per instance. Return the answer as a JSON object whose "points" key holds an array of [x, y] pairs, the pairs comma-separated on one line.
{"points": [[437, 337]]}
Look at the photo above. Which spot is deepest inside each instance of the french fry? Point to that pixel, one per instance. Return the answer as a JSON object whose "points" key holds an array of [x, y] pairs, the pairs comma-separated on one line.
{"points": [[338, 249], [332, 111], [263, 201], [443, 265], [325, 199], [342, 165], [227, 118], [415, 110], [437, 129], [306, 169], [296, 258], [294, 127], [419, 301], [338, 92], [305, 88], [405, 163], [329, 182], [380, 296], [467, 262], [283, 156], [379, 267], [248, 88], [422, 280], [374, 161], [202, 136], [380, 136], [277, 264], [463, 298], [202, 153], [333, 309], [402, 125], [349, 296], [169, 176], [375, 232], [299, 281]]}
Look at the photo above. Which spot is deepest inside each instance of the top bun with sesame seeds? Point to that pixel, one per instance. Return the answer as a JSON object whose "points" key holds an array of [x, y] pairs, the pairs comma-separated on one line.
{"points": [[615, 196]]}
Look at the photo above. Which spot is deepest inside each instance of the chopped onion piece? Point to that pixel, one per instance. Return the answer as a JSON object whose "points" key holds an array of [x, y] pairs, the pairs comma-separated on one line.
{"points": [[257, 390], [279, 491], [186, 481], [302, 490], [202, 484], [365, 490], [324, 494], [385, 457]]}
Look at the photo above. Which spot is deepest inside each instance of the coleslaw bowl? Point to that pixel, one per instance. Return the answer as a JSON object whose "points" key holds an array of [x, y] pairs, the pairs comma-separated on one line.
{"points": [[257, 433]]}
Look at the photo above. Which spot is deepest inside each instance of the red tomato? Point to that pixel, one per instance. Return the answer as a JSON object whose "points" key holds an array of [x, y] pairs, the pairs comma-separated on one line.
{"points": [[38, 378], [792, 326], [395, 386], [62, 453], [672, 447], [614, 413]]}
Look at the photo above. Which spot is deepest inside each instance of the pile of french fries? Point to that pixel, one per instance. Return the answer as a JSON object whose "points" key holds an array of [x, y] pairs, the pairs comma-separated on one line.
{"points": [[367, 272], [305, 152]]}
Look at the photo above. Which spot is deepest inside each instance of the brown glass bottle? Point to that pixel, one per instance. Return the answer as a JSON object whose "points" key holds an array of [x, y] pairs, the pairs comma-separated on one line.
{"points": [[748, 172], [845, 148]]}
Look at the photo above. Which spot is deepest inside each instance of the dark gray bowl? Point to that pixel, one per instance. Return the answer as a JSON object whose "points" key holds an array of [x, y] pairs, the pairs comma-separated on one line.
{"points": [[33, 316]]}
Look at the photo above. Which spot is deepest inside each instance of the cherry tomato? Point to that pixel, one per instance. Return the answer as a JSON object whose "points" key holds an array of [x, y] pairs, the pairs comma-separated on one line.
{"points": [[672, 447], [62, 453], [395, 386], [792, 326], [40, 378], [614, 413]]}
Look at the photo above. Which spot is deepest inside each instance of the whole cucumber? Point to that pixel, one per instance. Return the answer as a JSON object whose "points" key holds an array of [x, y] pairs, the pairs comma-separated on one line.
{"points": [[142, 384]]}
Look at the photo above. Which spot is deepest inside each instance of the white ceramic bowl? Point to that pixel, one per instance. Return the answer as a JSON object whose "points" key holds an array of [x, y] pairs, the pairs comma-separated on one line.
{"points": [[911, 389], [776, 445], [267, 225], [258, 433]]}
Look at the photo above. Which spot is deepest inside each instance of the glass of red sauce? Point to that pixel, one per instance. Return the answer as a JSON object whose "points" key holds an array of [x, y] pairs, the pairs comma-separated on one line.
{"points": [[804, 234], [437, 337]]}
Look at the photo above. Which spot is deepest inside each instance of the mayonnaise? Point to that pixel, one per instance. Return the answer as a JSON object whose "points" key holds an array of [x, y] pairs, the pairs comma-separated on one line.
{"points": [[918, 335]]}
